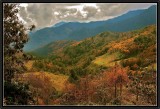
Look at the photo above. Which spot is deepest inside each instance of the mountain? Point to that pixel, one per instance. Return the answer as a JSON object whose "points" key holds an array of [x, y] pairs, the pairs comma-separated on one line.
{"points": [[59, 24], [147, 17], [127, 15], [79, 31], [130, 21]]}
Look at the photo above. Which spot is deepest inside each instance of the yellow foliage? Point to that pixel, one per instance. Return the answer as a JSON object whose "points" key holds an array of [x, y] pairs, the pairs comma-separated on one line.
{"points": [[29, 64], [58, 81]]}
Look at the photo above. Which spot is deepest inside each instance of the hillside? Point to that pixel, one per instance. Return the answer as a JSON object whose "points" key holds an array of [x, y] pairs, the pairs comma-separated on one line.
{"points": [[133, 48], [79, 31], [104, 50], [51, 47], [96, 66]]}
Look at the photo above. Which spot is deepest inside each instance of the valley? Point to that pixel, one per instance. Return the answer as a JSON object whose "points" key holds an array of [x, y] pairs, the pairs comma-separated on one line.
{"points": [[74, 67]]}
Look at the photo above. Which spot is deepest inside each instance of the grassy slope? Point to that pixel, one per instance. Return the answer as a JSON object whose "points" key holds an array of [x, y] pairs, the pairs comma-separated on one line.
{"points": [[107, 59], [58, 80]]}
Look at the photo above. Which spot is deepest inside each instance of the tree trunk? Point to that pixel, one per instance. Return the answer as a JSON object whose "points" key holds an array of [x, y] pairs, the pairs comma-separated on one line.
{"points": [[115, 82], [115, 91], [47, 101], [137, 95], [148, 98], [121, 92], [37, 96]]}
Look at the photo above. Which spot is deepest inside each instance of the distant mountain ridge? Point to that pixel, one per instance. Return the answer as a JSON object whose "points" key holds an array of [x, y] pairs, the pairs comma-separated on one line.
{"points": [[78, 31], [59, 24], [51, 47]]}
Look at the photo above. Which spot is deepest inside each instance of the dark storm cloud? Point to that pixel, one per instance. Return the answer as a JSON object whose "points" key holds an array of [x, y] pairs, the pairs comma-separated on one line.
{"points": [[47, 14]]}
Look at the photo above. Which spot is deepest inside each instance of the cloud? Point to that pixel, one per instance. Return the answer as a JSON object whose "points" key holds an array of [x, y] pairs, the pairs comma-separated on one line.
{"points": [[47, 14]]}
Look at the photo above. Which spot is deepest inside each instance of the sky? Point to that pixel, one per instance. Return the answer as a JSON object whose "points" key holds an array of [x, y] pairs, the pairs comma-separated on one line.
{"points": [[47, 14]]}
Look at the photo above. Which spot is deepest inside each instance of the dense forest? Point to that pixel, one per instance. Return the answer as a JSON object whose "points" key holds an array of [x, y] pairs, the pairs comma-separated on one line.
{"points": [[110, 68]]}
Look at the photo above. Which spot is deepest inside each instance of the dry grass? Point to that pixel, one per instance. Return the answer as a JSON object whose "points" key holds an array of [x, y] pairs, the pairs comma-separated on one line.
{"points": [[107, 59], [58, 80]]}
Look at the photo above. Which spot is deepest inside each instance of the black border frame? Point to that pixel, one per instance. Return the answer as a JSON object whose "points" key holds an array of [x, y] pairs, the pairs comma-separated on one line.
{"points": [[78, 1]]}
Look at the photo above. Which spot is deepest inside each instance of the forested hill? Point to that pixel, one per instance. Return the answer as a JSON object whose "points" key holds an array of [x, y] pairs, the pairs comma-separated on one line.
{"points": [[50, 48], [103, 51]]}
